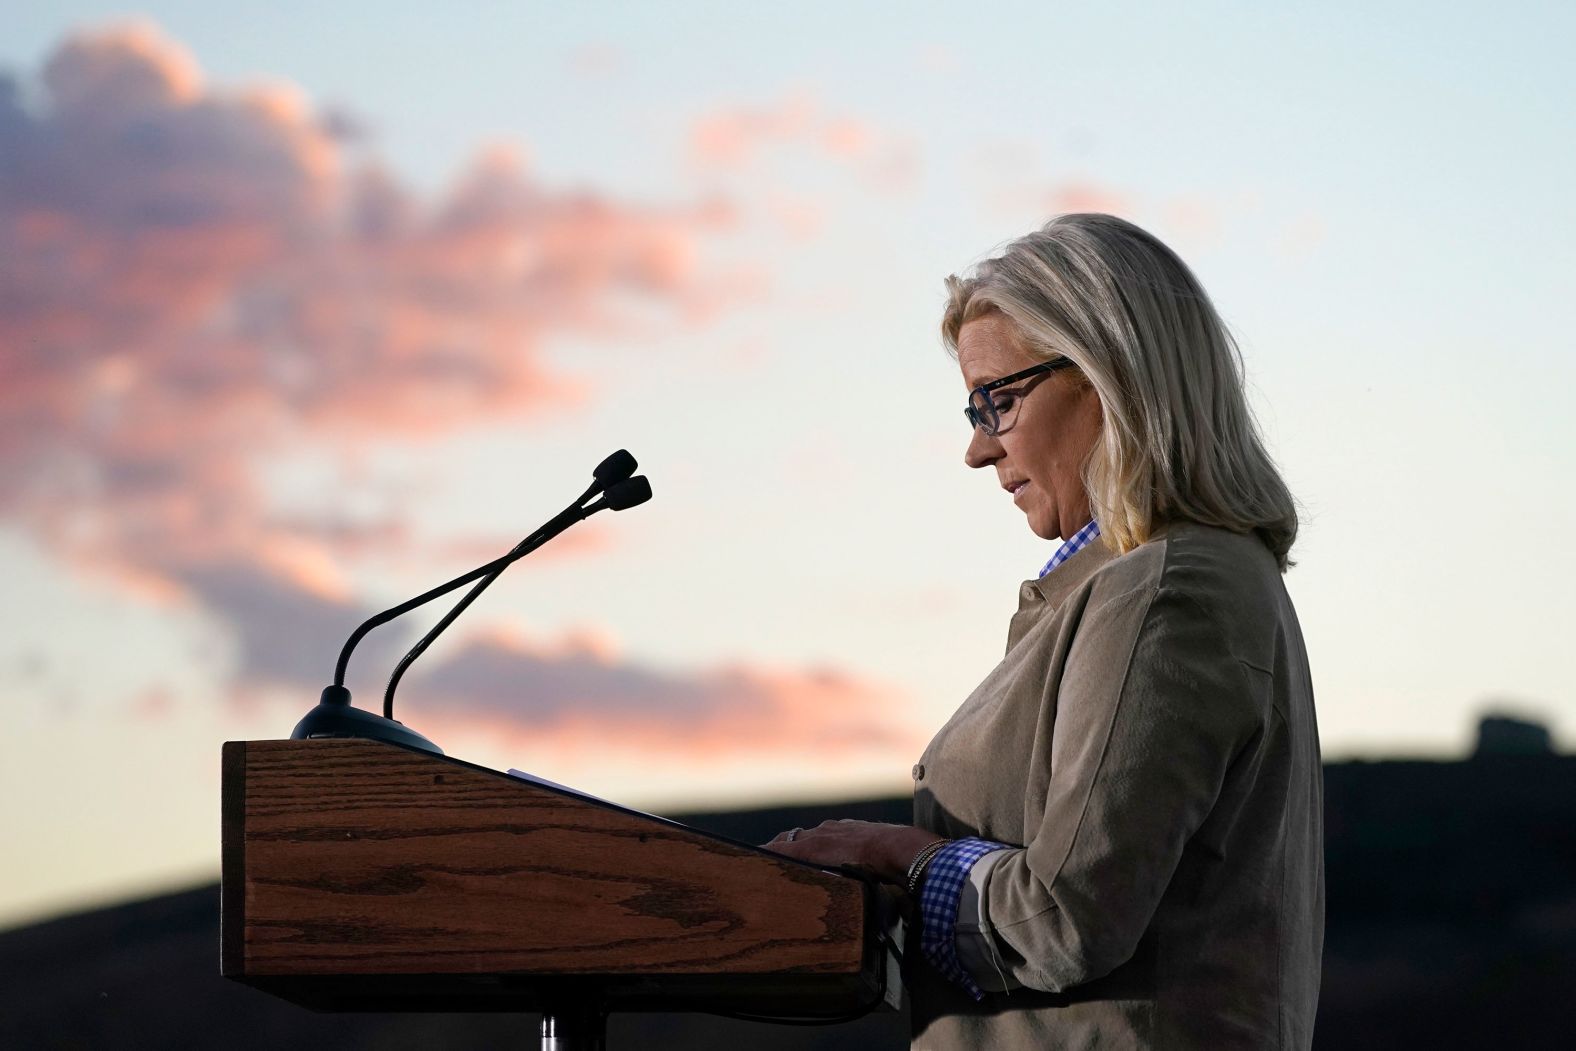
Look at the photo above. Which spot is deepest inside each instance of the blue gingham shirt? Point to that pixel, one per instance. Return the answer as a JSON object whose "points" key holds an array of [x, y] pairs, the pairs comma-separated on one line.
{"points": [[942, 888], [1074, 544]]}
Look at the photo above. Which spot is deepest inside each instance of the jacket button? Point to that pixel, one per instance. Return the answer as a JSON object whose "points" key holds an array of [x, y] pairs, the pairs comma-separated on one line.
{"points": [[918, 771]]}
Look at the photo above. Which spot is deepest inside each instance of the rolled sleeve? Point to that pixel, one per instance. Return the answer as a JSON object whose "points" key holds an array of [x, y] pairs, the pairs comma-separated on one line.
{"points": [[944, 885], [976, 942]]}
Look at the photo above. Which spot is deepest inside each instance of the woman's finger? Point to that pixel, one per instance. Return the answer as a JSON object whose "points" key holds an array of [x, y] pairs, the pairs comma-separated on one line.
{"points": [[793, 848], [790, 836]]}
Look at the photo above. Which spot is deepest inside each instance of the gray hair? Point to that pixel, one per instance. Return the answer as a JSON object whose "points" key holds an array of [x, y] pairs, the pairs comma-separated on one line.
{"points": [[1178, 439]]}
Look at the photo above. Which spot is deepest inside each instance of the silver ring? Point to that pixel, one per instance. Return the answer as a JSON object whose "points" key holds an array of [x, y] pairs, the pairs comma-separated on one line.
{"points": [[793, 833]]}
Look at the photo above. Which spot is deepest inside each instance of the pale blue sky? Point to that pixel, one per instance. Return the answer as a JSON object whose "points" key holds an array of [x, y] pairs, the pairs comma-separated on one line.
{"points": [[1376, 200]]}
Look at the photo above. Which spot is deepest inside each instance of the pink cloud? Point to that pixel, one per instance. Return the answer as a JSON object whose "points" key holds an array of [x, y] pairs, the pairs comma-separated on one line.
{"points": [[578, 690], [581, 691], [196, 277], [1087, 197], [732, 137], [741, 138], [844, 137]]}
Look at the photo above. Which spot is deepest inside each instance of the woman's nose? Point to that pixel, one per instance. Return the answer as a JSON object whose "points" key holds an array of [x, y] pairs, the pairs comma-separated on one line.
{"points": [[983, 450]]}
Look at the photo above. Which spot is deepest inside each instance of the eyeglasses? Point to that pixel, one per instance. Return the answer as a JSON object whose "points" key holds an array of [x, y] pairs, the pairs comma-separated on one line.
{"points": [[986, 412]]}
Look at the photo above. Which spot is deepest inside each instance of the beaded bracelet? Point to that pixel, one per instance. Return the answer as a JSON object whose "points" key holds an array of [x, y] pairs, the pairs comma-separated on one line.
{"points": [[917, 867]]}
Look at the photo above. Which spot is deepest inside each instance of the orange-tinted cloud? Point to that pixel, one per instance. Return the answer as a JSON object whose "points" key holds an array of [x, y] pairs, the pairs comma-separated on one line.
{"points": [[577, 691], [195, 277], [581, 691]]}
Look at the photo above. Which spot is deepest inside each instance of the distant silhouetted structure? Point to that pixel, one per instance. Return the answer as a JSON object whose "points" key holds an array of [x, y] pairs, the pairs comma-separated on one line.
{"points": [[1506, 735], [1451, 923]]}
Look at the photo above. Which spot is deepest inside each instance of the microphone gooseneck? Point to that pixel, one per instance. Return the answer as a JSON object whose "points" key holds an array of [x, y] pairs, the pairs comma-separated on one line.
{"points": [[622, 494], [405, 607], [564, 520], [335, 717]]}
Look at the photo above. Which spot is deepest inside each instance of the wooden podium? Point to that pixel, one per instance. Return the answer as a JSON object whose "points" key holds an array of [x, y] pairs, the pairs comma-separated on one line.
{"points": [[364, 875]]}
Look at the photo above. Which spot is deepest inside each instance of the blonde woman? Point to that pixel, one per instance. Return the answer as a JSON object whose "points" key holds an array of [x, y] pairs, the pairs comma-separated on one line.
{"points": [[1117, 837]]}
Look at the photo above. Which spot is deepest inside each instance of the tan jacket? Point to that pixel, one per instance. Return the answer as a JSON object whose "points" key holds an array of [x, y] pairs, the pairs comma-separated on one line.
{"points": [[1149, 739]]}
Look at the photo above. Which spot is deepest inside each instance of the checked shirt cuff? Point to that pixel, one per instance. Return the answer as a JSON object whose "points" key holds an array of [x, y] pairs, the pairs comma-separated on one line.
{"points": [[938, 906]]}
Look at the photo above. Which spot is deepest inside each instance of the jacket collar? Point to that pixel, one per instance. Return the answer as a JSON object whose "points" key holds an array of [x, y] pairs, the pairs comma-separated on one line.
{"points": [[1060, 582], [1038, 598]]}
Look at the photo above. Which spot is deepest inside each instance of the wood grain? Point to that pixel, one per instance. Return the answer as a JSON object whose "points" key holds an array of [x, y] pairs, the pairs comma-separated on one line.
{"points": [[359, 857]]}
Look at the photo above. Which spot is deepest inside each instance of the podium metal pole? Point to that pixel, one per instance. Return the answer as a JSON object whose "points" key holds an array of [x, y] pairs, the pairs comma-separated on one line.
{"points": [[575, 1026]]}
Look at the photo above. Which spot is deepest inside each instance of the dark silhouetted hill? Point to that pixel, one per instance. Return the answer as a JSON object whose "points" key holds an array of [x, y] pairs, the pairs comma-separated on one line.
{"points": [[1452, 924]]}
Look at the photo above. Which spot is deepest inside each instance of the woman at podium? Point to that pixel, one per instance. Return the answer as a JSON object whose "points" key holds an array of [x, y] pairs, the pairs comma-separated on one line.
{"points": [[1117, 837]]}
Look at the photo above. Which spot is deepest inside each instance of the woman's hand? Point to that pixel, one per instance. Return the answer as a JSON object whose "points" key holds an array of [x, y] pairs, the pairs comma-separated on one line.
{"points": [[885, 851]]}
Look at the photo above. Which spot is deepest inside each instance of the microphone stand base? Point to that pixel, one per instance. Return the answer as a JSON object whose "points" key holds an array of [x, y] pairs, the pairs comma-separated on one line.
{"points": [[336, 717]]}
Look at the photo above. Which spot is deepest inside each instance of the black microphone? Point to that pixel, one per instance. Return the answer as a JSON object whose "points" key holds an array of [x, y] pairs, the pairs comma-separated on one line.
{"points": [[335, 717], [626, 494], [614, 469]]}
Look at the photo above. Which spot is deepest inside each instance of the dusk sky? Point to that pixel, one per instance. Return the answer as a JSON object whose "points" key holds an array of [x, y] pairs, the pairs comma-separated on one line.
{"points": [[304, 311]]}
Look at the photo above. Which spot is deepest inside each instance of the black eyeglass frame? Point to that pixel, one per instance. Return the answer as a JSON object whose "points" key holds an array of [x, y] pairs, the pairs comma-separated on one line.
{"points": [[987, 418]]}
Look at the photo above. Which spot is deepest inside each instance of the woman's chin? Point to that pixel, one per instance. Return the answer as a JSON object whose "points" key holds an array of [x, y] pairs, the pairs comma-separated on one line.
{"points": [[1043, 525]]}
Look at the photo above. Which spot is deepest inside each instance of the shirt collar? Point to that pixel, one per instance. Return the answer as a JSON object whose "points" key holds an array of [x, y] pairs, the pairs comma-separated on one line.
{"points": [[1072, 545]]}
